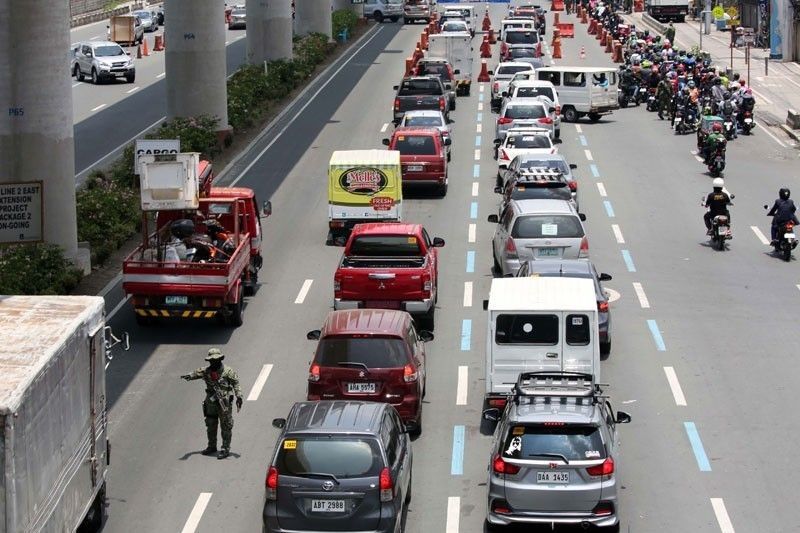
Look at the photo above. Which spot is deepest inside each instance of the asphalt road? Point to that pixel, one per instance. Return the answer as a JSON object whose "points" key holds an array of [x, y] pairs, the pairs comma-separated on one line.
{"points": [[699, 335]]}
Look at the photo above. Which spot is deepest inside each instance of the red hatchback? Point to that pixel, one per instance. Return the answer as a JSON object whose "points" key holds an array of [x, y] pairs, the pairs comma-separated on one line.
{"points": [[372, 355], [423, 156]]}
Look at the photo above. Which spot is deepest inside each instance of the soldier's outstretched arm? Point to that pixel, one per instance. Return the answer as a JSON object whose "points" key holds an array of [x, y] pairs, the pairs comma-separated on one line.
{"points": [[197, 374]]}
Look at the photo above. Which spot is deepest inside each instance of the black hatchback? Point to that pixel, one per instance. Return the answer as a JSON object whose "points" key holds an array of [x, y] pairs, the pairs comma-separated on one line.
{"points": [[339, 466]]}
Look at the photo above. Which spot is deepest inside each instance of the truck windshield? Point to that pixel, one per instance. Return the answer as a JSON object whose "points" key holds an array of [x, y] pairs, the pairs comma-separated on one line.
{"points": [[108, 51], [385, 246]]}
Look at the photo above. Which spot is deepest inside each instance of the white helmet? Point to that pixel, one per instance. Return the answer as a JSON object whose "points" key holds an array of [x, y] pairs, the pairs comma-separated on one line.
{"points": [[718, 182]]}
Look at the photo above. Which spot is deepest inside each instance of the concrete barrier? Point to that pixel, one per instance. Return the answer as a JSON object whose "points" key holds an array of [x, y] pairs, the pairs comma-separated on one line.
{"points": [[88, 18], [793, 119], [656, 25]]}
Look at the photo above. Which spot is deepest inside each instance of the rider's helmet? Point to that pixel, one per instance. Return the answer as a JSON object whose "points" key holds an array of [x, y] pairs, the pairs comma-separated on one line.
{"points": [[719, 183], [717, 81], [717, 127], [784, 193], [726, 95], [691, 84], [748, 92]]}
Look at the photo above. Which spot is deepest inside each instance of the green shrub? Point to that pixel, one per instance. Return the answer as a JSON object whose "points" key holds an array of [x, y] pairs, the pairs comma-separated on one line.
{"points": [[108, 214], [197, 134], [344, 18], [247, 93], [36, 269]]}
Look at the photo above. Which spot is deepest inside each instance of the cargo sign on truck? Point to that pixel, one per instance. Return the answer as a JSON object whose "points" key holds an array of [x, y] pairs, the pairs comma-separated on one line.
{"points": [[153, 147], [21, 212]]}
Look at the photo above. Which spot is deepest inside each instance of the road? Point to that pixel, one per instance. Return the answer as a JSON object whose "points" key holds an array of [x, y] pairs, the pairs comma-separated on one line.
{"points": [[699, 335], [109, 116]]}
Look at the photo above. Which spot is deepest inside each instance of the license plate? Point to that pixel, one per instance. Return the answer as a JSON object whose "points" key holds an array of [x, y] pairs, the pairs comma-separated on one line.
{"points": [[748, 120], [552, 477], [415, 168], [723, 230], [361, 388], [788, 236], [176, 300], [727, 124], [327, 506], [547, 252], [677, 120]]}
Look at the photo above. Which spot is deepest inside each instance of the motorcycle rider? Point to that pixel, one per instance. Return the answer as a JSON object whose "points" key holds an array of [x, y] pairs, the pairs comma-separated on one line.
{"points": [[663, 96], [746, 103], [717, 92], [783, 211], [728, 110], [717, 203], [713, 141], [629, 84]]}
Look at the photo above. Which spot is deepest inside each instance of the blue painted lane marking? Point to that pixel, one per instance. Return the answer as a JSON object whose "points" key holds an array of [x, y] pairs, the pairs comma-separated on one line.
{"points": [[583, 141], [659, 340], [457, 464], [609, 209], [473, 210], [480, 97], [466, 334], [470, 261], [477, 140], [595, 172], [697, 447], [626, 256], [480, 117], [476, 171]]}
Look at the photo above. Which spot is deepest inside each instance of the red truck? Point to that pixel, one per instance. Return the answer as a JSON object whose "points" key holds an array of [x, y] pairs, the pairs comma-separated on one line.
{"points": [[199, 262], [389, 266], [423, 156]]}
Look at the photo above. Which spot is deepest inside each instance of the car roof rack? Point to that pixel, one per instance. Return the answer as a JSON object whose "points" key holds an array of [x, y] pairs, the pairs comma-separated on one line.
{"points": [[560, 385], [540, 174]]}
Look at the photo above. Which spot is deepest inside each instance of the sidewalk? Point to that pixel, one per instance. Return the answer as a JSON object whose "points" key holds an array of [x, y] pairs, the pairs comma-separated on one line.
{"points": [[776, 90]]}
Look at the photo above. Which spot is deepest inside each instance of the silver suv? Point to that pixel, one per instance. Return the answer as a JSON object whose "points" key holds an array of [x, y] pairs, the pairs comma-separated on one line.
{"points": [[102, 60], [555, 454], [339, 466]]}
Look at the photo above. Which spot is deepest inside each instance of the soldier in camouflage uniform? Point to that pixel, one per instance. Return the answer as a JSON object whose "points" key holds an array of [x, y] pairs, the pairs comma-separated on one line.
{"points": [[222, 384]]}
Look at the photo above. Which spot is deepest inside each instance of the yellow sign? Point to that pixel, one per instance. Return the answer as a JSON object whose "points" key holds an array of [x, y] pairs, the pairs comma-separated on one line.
{"points": [[289, 444], [718, 12]]}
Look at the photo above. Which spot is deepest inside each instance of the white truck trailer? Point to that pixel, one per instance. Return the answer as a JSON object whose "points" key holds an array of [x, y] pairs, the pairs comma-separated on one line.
{"points": [[53, 437], [456, 48]]}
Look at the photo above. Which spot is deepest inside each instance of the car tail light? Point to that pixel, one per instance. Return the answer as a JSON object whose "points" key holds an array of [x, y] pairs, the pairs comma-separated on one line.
{"points": [[511, 248], [272, 483], [397, 104], [410, 374], [604, 508], [427, 283], [140, 300], [441, 103], [387, 487], [558, 110], [606, 468], [503, 155], [789, 226], [313, 373], [573, 185], [212, 302], [497, 402], [336, 224], [539, 49], [505, 120], [501, 467], [337, 284], [584, 253], [545, 120], [602, 307]]}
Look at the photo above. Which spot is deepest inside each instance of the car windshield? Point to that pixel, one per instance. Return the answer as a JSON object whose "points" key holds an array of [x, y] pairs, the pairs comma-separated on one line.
{"points": [[557, 164], [576, 442], [108, 51], [415, 145], [525, 111], [522, 37], [385, 246], [547, 227], [454, 26], [528, 141], [420, 87], [342, 457], [423, 121], [507, 70], [144, 15], [516, 53], [533, 92], [374, 352]]}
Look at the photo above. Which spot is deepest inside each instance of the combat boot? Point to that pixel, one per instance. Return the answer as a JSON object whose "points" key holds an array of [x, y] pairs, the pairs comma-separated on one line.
{"points": [[223, 453], [211, 450]]}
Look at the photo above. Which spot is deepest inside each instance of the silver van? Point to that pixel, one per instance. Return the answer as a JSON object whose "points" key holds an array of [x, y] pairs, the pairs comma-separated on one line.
{"points": [[384, 9]]}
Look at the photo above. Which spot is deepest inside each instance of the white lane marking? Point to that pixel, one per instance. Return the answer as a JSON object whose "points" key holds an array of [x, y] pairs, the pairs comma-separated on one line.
{"points": [[131, 90], [475, 186], [617, 234], [765, 129], [761, 236], [761, 96], [453, 514], [479, 128], [471, 235], [675, 386], [699, 159], [588, 155], [261, 380], [161, 75], [98, 108], [602, 189], [117, 308], [578, 128], [480, 106], [300, 111], [197, 513], [384, 127], [76, 84], [301, 296], [95, 37], [643, 301], [477, 155], [467, 294], [723, 519], [480, 88], [463, 382]]}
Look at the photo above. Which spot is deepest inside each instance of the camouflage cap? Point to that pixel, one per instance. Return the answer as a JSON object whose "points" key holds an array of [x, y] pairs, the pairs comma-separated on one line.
{"points": [[215, 354]]}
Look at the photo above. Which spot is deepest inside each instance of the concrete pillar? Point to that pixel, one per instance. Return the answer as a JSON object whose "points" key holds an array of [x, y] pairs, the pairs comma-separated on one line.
{"points": [[269, 30], [36, 129], [313, 16], [195, 60]]}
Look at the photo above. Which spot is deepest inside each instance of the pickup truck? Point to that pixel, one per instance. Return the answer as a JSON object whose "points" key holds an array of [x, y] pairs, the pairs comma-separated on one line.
{"points": [[420, 92], [389, 266]]}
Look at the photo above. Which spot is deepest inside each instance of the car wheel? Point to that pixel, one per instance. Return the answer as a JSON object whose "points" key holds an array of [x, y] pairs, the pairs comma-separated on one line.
{"points": [[406, 21], [594, 117], [427, 321], [77, 73], [416, 431], [449, 156], [570, 115], [130, 78], [250, 288], [441, 190], [236, 317], [605, 350], [496, 262], [558, 133], [378, 16], [453, 105], [394, 19], [95, 77]]}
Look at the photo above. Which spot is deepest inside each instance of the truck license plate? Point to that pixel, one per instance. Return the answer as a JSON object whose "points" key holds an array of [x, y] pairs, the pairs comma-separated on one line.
{"points": [[176, 300], [552, 477], [327, 506], [361, 388]]}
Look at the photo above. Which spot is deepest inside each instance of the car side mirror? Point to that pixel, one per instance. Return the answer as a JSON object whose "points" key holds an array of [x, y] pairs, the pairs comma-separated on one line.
{"points": [[558, 140], [314, 335], [279, 423], [386, 142], [425, 336], [604, 277], [491, 73], [573, 166], [448, 141], [266, 209], [551, 110], [498, 142], [498, 190], [493, 219], [492, 414], [438, 242], [582, 217], [486, 305], [733, 196], [504, 94], [457, 71], [395, 87], [127, 53], [623, 417]]}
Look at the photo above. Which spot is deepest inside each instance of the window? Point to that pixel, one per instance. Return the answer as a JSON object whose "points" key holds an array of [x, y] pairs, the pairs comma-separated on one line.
{"points": [[411, 338], [415, 144], [550, 191], [508, 216], [540, 330], [85, 50], [109, 51], [578, 332], [574, 442], [522, 37], [557, 164], [528, 141], [374, 352], [390, 437], [342, 457], [574, 79], [385, 246], [525, 111], [420, 87], [602, 79], [547, 227], [552, 77], [533, 92], [434, 121], [512, 69]]}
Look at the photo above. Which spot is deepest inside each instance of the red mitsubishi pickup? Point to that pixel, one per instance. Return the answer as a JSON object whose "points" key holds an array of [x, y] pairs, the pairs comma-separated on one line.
{"points": [[389, 266], [423, 156]]}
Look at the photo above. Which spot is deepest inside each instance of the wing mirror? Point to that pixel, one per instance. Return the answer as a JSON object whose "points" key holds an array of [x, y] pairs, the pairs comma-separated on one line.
{"points": [[582, 217], [279, 423], [491, 73], [494, 219], [448, 141], [551, 110], [498, 142], [573, 166], [493, 414], [604, 277], [558, 140], [395, 87], [438, 242], [386, 142], [314, 335], [425, 336], [266, 209], [498, 190], [623, 417], [504, 94], [457, 71]]}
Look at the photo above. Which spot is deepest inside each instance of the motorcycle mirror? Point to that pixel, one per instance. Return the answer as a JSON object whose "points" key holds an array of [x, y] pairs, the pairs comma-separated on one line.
{"points": [[733, 196], [766, 206]]}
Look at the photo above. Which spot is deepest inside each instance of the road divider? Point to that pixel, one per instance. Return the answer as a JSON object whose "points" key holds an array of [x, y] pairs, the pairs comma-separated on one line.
{"points": [[466, 334], [471, 230], [470, 261], [601, 189], [473, 210], [476, 171], [617, 234], [475, 186], [467, 294], [697, 447], [643, 301], [463, 385], [609, 208], [626, 256], [588, 154], [595, 171], [656, 333]]}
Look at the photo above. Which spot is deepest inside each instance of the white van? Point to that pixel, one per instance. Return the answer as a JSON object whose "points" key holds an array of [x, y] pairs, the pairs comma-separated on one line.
{"points": [[540, 324], [583, 91], [514, 23]]}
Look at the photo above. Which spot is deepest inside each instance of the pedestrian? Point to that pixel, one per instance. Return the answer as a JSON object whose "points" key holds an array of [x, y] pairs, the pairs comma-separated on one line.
{"points": [[222, 385], [669, 34]]}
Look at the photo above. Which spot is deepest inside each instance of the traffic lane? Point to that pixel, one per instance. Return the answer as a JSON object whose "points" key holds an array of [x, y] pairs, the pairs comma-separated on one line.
{"points": [[105, 133]]}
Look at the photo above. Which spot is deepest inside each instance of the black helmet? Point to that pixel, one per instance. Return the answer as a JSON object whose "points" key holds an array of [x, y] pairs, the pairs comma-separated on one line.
{"points": [[717, 81], [784, 193]]}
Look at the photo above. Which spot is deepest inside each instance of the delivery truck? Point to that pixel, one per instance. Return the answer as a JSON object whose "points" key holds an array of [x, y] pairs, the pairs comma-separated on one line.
{"points": [[457, 49], [53, 437], [126, 30]]}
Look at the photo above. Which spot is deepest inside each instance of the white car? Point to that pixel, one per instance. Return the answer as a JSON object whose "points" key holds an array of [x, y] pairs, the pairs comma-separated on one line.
{"points": [[523, 141], [427, 118], [524, 85], [455, 26], [501, 77]]}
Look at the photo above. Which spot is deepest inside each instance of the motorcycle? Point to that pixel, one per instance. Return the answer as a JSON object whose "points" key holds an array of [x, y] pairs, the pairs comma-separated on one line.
{"points": [[747, 122], [787, 240], [720, 231], [652, 105], [716, 162], [690, 119], [728, 127], [627, 94]]}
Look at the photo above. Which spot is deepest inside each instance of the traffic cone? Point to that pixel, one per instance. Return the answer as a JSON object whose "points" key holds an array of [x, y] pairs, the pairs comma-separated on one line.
{"points": [[583, 52], [584, 16], [159, 44], [556, 44], [409, 66], [484, 75], [139, 52], [599, 31], [592, 27], [487, 23], [617, 58], [603, 37], [556, 19], [486, 50], [492, 38], [424, 39], [609, 45], [145, 48]]}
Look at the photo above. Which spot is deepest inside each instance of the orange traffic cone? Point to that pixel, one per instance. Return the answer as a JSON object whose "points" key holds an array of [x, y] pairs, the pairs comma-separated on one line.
{"points": [[584, 17], [139, 52], [409, 66], [556, 44], [484, 75], [486, 50], [603, 37], [492, 38], [592, 27], [599, 31], [159, 45], [609, 45], [424, 39], [145, 48], [487, 23], [583, 52]]}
